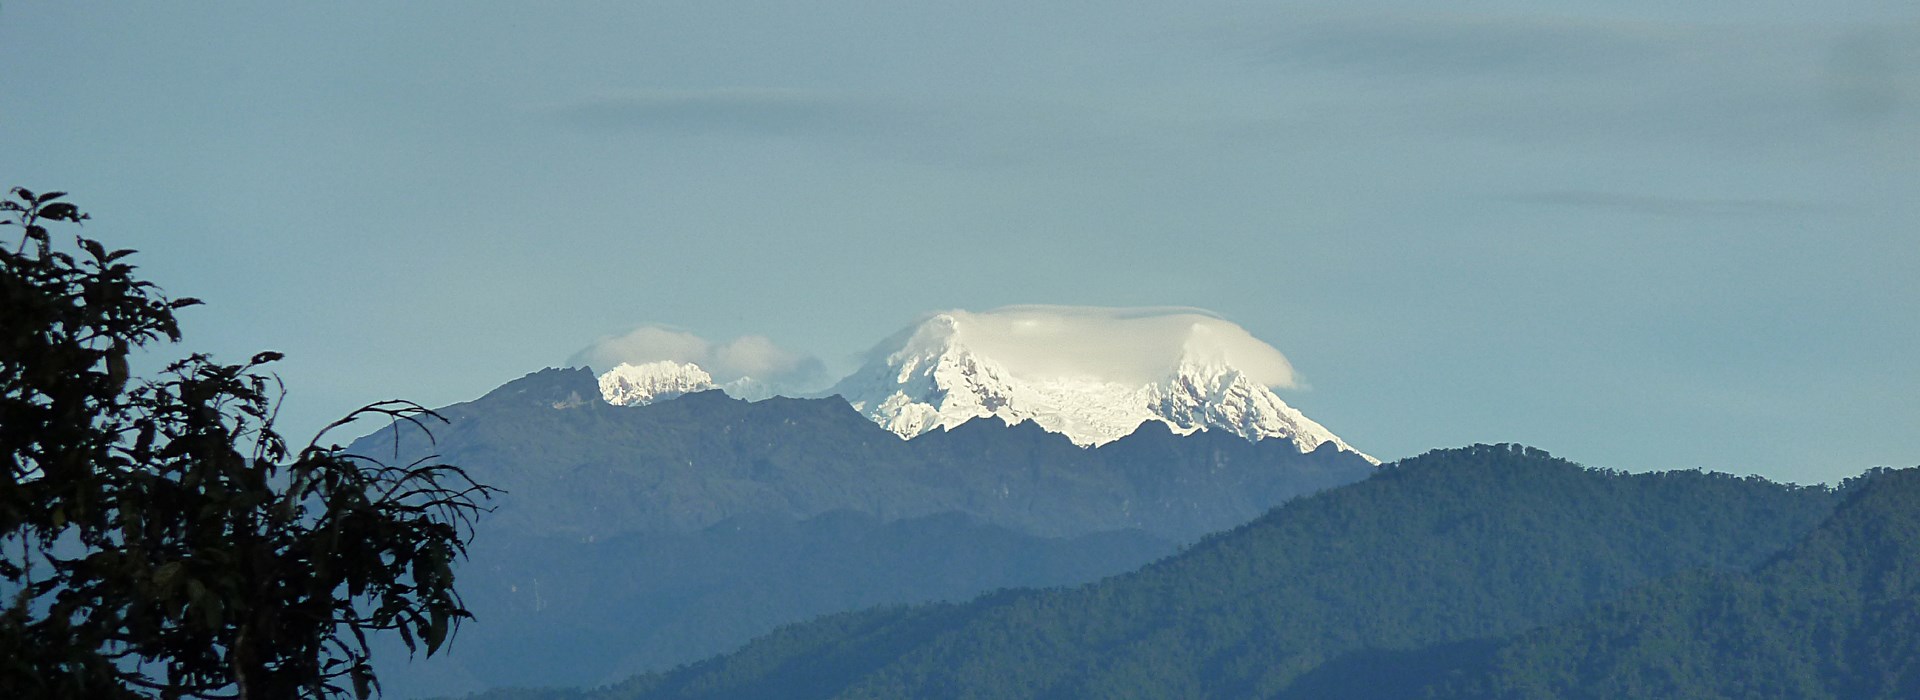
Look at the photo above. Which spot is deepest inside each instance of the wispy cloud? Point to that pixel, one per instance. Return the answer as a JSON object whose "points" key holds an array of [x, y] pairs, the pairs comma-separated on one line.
{"points": [[1125, 345], [1873, 75], [746, 357], [1462, 45], [761, 110], [1728, 86], [1677, 207], [951, 129]]}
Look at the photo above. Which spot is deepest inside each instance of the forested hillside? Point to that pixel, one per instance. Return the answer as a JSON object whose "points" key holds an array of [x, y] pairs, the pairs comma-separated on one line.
{"points": [[1448, 547], [558, 610], [1835, 617]]}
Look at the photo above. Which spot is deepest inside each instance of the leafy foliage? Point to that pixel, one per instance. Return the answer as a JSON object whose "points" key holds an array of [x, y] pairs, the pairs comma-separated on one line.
{"points": [[160, 538]]}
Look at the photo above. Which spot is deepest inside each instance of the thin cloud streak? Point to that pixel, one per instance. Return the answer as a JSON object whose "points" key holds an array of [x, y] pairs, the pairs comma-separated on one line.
{"points": [[758, 110], [1466, 45], [1544, 79], [963, 131], [1675, 207]]}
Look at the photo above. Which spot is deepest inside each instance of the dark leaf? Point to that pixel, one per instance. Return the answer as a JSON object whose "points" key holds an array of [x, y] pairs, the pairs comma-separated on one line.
{"points": [[436, 631], [363, 682], [62, 211]]}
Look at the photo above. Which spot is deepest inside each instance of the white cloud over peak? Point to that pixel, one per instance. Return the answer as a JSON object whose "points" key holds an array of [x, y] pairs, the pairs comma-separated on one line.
{"points": [[1134, 345], [643, 344], [746, 357]]}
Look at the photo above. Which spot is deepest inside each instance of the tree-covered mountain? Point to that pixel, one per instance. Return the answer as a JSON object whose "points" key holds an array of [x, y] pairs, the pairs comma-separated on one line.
{"points": [[555, 610], [1835, 617], [633, 538], [1425, 557]]}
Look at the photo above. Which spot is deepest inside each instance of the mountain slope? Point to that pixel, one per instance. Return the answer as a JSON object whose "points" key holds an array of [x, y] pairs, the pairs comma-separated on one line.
{"points": [[557, 610], [609, 554], [576, 466], [1449, 546]]}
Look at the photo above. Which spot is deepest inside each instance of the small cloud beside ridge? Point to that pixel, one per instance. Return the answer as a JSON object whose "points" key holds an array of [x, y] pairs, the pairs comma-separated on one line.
{"points": [[746, 357]]}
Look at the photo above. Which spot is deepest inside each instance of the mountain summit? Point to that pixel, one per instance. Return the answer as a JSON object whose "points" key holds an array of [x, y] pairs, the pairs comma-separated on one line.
{"points": [[1091, 374], [629, 384]]}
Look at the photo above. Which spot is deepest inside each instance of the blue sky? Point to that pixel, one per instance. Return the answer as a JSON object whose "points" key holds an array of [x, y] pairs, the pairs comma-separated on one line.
{"points": [[1639, 235]]}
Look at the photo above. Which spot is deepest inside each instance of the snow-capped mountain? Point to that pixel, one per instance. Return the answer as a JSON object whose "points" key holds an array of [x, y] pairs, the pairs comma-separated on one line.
{"points": [[1093, 375], [638, 385], [629, 384]]}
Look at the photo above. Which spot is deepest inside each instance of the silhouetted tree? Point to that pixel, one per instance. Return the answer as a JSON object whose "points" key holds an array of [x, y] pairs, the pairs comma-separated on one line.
{"points": [[160, 539]]}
